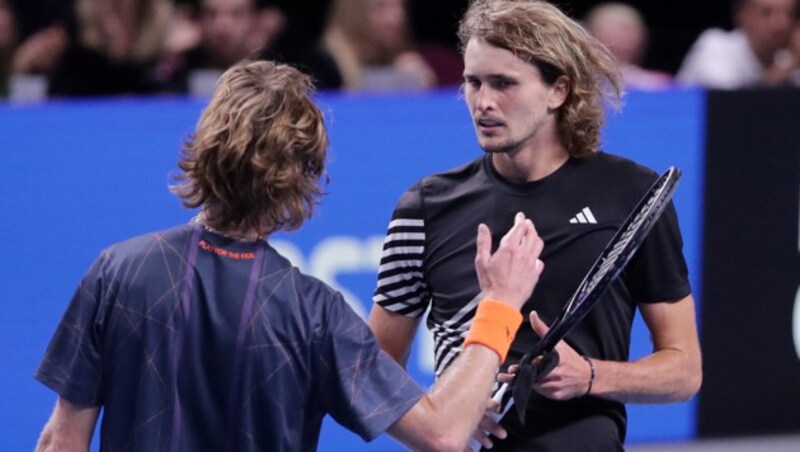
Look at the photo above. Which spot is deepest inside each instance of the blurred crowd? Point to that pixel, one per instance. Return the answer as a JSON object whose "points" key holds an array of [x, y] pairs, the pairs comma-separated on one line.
{"points": [[69, 48]]}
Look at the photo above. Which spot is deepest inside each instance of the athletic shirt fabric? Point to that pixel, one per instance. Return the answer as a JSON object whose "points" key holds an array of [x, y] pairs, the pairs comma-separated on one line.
{"points": [[192, 341], [429, 254]]}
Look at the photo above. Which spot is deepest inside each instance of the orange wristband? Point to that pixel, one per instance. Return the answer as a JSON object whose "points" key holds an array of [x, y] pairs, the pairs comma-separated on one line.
{"points": [[495, 324]]}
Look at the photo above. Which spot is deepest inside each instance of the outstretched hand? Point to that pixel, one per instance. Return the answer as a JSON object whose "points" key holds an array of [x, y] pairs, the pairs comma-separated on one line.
{"points": [[510, 274]]}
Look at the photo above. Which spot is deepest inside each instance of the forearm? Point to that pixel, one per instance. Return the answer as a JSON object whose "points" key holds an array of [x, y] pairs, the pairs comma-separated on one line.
{"points": [[663, 377], [464, 389], [448, 414], [446, 417], [57, 438], [69, 428]]}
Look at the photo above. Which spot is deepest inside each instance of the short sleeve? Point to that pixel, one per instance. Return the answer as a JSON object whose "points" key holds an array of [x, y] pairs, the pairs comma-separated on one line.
{"points": [[658, 270], [72, 364], [362, 387], [401, 285]]}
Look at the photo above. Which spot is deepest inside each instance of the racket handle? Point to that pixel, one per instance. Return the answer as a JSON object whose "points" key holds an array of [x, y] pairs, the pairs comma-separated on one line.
{"points": [[498, 398]]}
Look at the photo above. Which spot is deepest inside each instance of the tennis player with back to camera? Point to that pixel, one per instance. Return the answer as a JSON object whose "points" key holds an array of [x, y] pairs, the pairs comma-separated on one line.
{"points": [[202, 337]]}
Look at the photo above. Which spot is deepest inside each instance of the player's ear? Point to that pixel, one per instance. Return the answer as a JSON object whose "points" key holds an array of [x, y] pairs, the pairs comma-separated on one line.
{"points": [[559, 91]]}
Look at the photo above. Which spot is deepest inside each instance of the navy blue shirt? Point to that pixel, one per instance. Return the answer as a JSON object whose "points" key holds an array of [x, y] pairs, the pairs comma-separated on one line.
{"points": [[192, 341]]}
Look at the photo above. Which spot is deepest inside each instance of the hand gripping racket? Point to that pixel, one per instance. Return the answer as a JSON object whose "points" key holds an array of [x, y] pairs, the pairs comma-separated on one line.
{"points": [[604, 271]]}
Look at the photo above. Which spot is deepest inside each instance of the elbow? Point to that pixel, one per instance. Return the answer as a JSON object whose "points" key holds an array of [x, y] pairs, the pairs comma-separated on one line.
{"points": [[445, 442], [425, 429], [45, 442], [691, 383], [444, 435], [695, 382]]}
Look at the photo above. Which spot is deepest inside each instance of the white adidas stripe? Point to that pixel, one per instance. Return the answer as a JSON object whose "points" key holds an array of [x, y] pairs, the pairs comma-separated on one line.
{"points": [[589, 215], [585, 216]]}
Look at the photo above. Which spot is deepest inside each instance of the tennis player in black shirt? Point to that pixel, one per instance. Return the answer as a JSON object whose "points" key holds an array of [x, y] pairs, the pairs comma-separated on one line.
{"points": [[535, 83]]}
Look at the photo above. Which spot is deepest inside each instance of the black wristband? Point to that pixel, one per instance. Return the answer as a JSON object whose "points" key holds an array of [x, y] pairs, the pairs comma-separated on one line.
{"points": [[593, 374]]}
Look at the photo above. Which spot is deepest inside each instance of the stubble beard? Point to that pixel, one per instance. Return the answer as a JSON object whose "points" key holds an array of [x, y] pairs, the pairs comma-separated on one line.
{"points": [[502, 148], [511, 145], [506, 146]]}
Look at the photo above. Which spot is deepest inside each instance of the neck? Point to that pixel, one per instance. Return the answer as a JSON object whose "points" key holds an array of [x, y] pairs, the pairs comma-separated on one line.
{"points": [[528, 165], [235, 234]]}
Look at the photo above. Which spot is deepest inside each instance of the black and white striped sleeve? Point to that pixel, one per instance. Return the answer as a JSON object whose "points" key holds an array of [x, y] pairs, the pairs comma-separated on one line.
{"points": [[401, 283]]}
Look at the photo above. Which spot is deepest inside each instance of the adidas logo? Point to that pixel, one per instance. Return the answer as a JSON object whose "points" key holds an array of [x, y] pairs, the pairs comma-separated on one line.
{"points": [[585, 216]]}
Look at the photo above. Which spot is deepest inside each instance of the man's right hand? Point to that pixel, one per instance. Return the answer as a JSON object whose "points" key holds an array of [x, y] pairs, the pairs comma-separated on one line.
{"points": [[510, 274]]}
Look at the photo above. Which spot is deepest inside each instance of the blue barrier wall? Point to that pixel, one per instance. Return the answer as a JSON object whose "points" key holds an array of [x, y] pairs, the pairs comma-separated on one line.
{"points": [[76, 177]]}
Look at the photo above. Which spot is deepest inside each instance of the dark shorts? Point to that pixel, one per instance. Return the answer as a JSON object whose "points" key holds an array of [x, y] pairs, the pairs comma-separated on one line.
{"points": [[587, 434]]}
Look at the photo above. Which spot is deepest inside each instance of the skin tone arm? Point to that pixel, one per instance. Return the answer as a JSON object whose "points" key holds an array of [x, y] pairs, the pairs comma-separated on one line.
{"points": [[394, 332], [69, 428], [445, 418], [672, 373]]}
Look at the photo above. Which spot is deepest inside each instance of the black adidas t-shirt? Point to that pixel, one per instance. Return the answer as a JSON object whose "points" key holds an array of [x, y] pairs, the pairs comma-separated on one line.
{"points": [[429, 252]]}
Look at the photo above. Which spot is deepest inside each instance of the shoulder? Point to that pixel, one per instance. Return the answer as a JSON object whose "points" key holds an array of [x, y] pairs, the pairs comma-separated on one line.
{"points": [[143, 246], [445, 186], [309, 290], [461, 178], [611, 167], [717, 39], [613, 177], [454, 177], [312, 287]]}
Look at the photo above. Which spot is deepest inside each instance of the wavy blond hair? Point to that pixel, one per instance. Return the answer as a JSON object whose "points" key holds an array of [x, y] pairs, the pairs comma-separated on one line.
{"points": [[538, 32], [256, 158]]}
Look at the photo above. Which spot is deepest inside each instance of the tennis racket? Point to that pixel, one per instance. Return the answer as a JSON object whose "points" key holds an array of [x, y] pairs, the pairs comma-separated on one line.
{"points": [[604, 271]]}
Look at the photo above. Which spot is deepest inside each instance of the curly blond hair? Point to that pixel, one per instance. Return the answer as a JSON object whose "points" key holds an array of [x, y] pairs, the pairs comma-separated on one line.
{"points": [[538, 32], [255, 161]]}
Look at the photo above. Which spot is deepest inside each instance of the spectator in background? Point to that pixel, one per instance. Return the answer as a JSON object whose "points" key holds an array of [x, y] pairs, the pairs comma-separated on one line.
{"points": [[229, 31], [622, 29], [25, 64], [114, 47], [794, 49], [754, 53], [7, 40], [370, 43], [41, 53]]}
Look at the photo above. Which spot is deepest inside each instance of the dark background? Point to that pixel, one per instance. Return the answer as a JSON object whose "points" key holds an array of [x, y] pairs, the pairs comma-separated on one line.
{"points": [[673, 24], [751, 264]]}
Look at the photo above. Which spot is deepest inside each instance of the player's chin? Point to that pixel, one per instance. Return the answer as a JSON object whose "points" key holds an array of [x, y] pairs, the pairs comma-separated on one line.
{"points": [[495, 148], [495, 143]]}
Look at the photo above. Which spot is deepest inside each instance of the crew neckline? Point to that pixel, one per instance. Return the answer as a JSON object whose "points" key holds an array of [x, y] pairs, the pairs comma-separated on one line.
{"points": [[524, 188]]}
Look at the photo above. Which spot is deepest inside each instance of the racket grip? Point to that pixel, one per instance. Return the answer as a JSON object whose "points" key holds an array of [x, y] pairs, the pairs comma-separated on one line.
{"points": [[473, 444]]}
